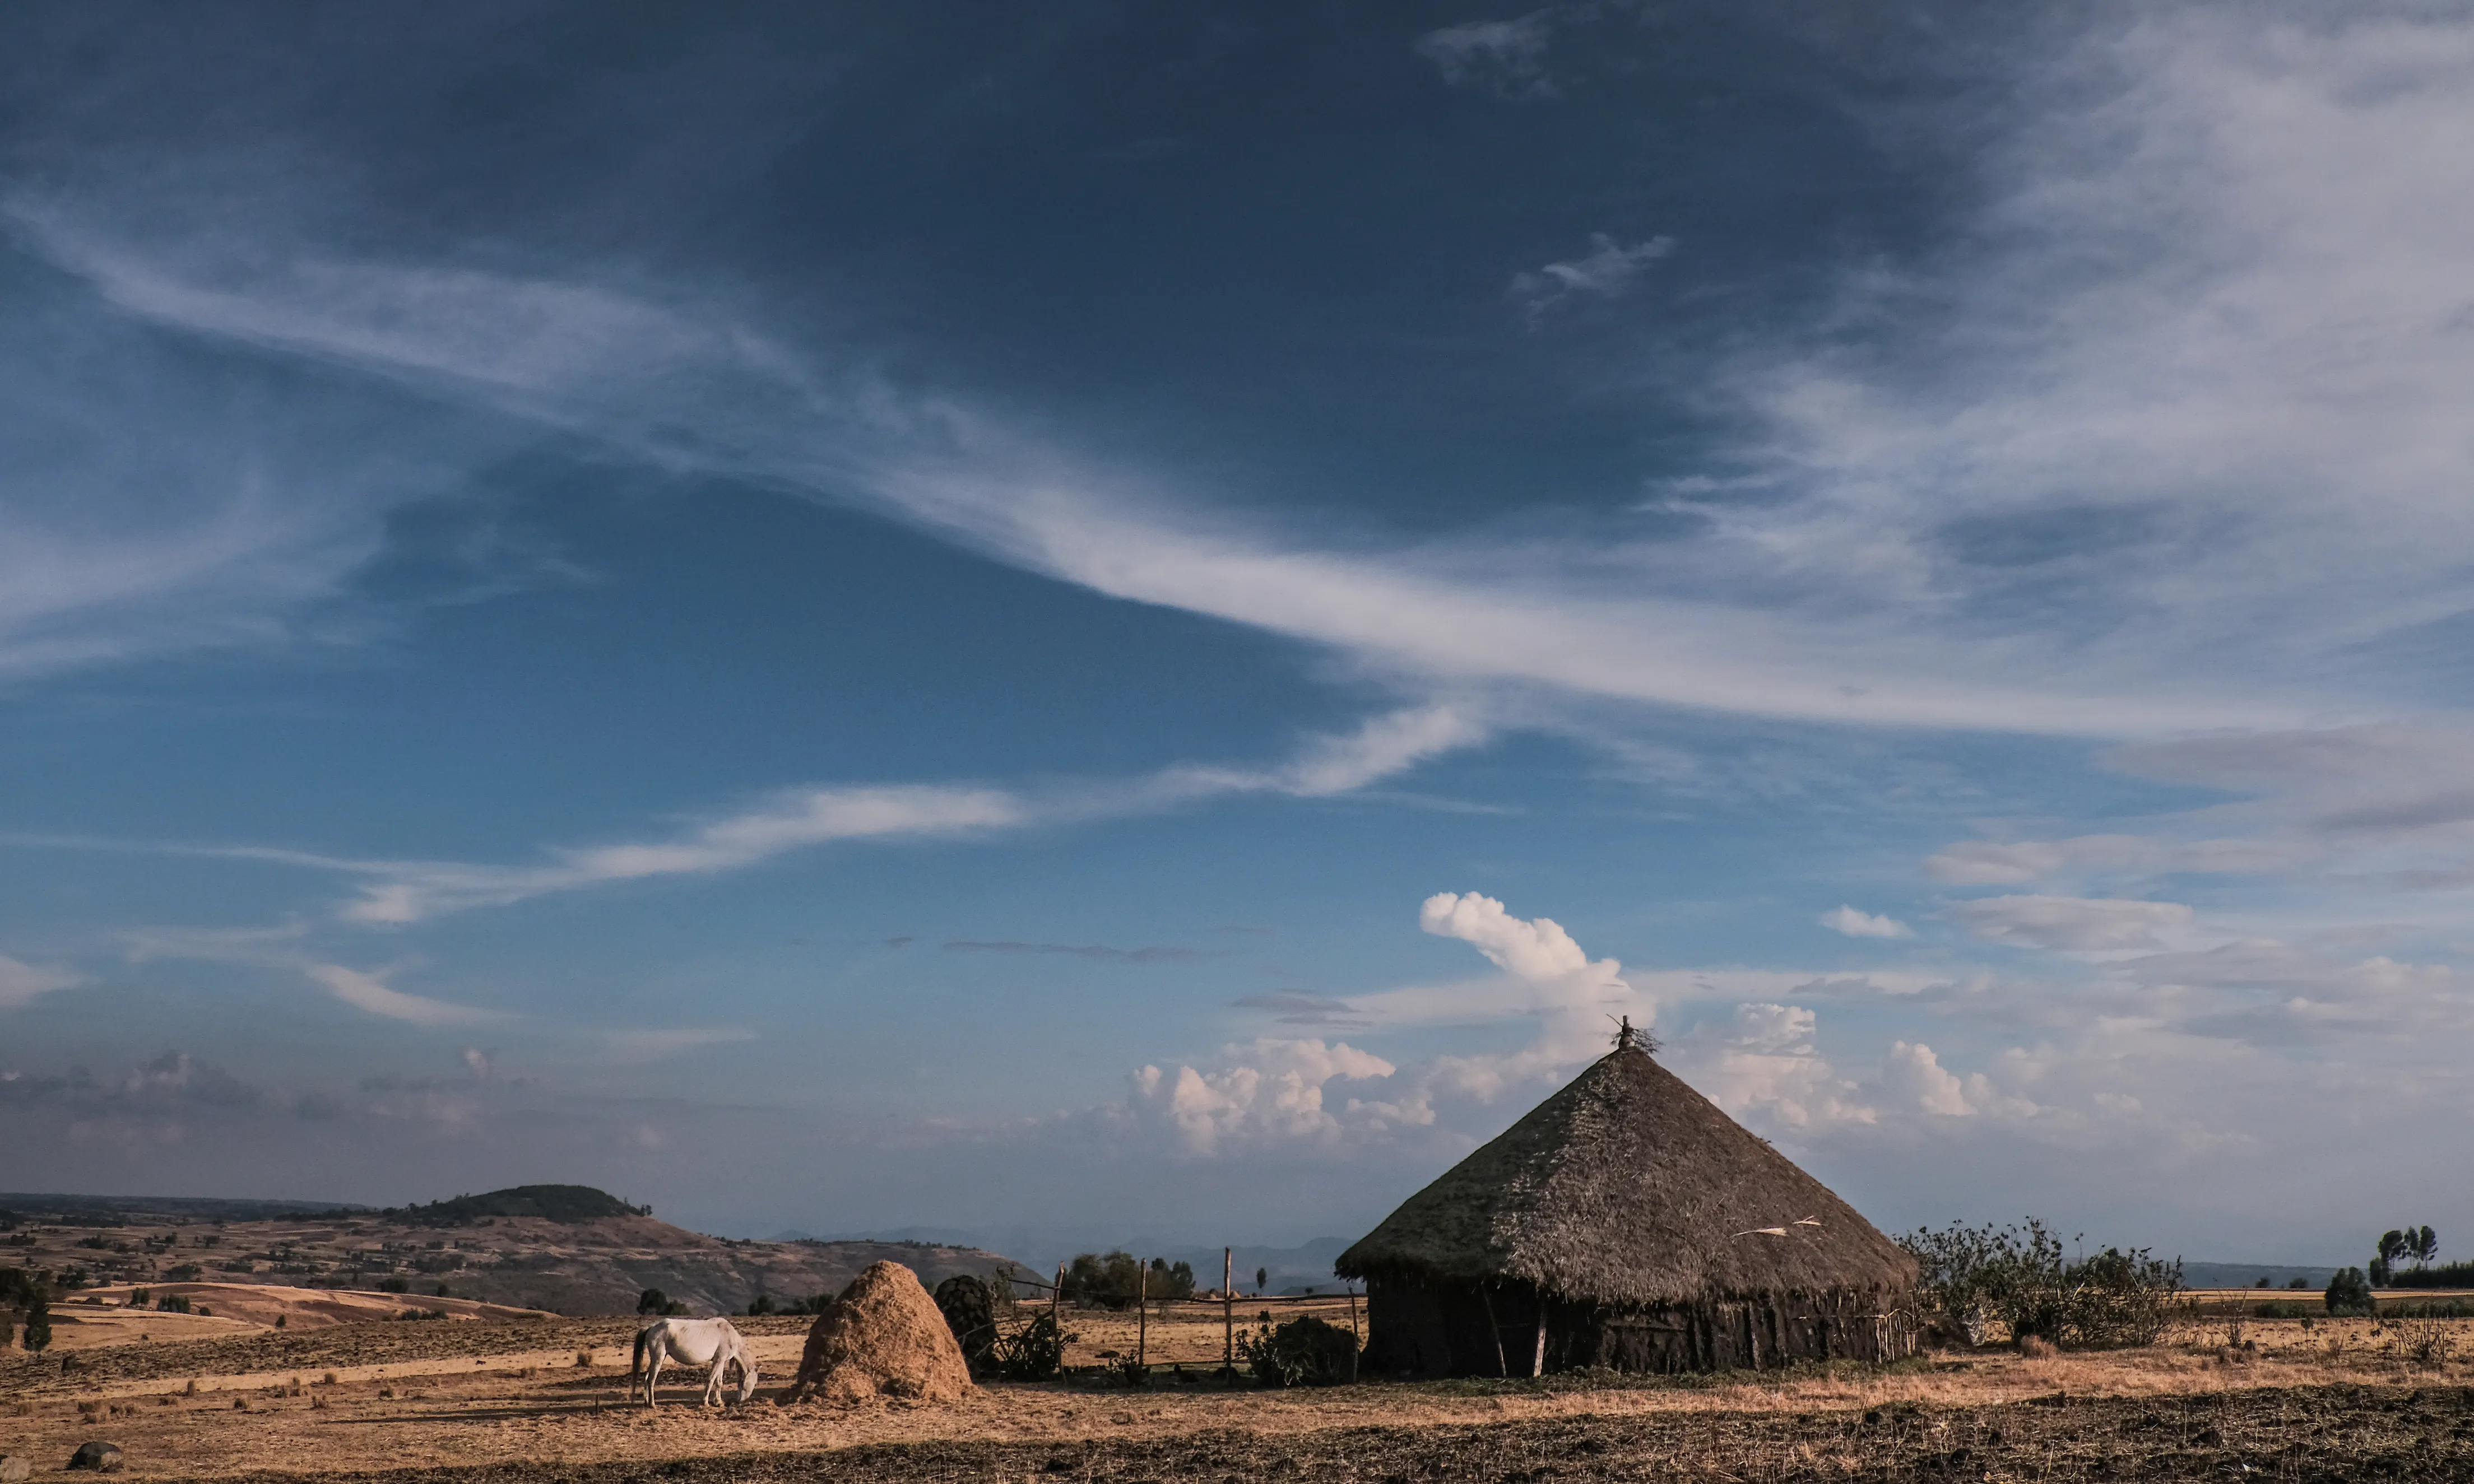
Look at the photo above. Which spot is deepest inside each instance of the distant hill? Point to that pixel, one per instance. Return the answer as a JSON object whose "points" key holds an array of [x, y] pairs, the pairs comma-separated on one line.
{"points": [[106, 1211], [563, 1204], [568, 1248]]}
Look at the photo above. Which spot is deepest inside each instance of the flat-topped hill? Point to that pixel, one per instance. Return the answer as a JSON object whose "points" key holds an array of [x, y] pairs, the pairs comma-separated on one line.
{"points": [[564, 1204]]}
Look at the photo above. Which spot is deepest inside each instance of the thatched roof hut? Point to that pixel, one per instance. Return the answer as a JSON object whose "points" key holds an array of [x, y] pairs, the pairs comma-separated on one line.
{"points": [[1626, 1221]]}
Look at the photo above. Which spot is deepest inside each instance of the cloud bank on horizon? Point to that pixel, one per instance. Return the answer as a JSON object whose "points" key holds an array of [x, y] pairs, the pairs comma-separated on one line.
{"points": [[614, 596]]}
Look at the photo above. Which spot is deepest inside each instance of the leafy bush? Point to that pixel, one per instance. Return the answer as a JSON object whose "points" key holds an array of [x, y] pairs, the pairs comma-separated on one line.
{"points": [[1303, 1351], [173, 1303], [1114, 1280], [38, 1320], [2349, 1295], [399, 1285], [2279, 1309], [1033, 1352], [1972, 1276]]}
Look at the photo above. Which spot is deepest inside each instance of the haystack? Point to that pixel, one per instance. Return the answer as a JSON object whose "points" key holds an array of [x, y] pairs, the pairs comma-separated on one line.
{"points": [[1627, 1222], [883, 1337]]}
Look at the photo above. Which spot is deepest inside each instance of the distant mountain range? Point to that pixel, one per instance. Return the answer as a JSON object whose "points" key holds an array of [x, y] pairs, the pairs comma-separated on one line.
{"points": [[2246, 1275]]}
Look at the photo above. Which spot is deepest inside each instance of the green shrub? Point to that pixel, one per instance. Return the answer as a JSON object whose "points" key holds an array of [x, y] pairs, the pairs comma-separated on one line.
{"points": [[1303, 1351], [2349, 1295], [2278, 1309], [1970, 1276]]}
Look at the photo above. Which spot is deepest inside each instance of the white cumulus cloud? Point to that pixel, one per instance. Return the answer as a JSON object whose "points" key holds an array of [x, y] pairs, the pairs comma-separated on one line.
{"points": [[1866, 924]]}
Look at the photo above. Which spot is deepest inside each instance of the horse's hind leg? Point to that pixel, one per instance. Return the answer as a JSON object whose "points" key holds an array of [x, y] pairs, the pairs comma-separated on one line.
{"points": [[653, 1374]]}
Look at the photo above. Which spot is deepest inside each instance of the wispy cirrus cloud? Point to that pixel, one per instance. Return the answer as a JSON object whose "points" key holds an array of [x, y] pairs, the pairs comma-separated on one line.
{"points": [[1505, 58], [2073, 924], [1607, 270], [415, 891], [369, 991], [691, 387], [21, 984], [401, 893]]}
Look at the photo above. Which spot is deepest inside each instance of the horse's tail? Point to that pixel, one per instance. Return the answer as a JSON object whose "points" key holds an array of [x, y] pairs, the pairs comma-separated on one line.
{"points": [[636, 1367]]}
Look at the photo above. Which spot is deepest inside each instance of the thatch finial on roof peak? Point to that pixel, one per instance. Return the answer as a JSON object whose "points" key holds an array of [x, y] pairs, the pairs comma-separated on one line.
{"points": [[1628, 1039]]}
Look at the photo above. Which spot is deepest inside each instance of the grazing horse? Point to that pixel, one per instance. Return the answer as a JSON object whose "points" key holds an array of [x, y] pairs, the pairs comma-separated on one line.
{"points": [[691, 1342]]}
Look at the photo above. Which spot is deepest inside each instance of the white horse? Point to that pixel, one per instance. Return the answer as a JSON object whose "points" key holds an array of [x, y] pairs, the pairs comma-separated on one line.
{"points": [[691, 1342]]}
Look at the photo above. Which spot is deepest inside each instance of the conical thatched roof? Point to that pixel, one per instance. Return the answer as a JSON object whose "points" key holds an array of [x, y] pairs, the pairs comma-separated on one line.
{"points": [[1628, 1188]]}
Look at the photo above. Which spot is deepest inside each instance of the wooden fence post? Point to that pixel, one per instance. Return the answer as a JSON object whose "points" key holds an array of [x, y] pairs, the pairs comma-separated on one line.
{"points": [[1057, 1301], [1229, 1311], [1501, 1366], [1353, 1332], [1141, 1312]]}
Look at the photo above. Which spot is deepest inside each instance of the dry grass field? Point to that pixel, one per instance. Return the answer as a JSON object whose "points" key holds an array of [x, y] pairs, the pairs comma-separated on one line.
{"points": [[509, 1401], [596, 1266]]}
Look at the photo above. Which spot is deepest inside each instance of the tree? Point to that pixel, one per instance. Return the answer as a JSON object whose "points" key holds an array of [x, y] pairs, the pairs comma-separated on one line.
{"points": [[1262, 1277], [2391, 1245], [652, 1301], [2419, 1243], [2349, 1295], [38, 1319]]}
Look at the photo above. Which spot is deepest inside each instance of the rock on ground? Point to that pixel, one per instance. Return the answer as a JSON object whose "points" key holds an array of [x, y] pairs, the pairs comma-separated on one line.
{"points": [[883, 1337], [14, 1469], [101, 1457]]}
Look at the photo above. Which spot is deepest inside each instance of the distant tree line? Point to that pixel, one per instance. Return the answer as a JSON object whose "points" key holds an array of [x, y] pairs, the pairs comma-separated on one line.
{"points": [[1114, 1280]]}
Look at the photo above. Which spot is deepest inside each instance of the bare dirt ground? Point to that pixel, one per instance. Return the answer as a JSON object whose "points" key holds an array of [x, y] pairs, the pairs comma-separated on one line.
{"points": [[508, 1401]]}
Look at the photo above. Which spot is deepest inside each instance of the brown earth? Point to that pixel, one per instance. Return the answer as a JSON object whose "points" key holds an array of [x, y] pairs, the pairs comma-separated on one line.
{"points": [[585, 1267], [507, 1402]]}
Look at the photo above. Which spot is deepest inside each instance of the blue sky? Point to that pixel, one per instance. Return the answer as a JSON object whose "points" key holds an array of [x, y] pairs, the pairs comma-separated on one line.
{"points": [[1141, 620]]}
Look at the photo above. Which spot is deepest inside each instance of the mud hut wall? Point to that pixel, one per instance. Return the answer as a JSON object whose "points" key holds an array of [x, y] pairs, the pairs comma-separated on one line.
{"points": [[1440, 1329], [1437, 1330]]}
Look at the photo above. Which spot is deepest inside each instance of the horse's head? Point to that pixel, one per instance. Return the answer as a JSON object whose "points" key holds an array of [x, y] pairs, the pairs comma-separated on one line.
{"points": [[746, 1377]]}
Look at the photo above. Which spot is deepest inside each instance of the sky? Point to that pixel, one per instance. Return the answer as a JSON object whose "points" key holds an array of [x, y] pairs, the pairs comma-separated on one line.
{"points": [[1148, 621]]}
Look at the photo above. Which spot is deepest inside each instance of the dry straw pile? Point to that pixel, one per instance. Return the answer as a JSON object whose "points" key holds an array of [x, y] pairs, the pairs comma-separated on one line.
{"points": [[883, 1337]]}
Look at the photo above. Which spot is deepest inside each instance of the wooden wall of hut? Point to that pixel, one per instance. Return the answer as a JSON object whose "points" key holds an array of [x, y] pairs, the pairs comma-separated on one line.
{"points": [[1430, 1330]]}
